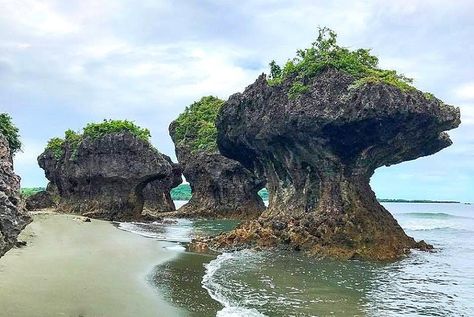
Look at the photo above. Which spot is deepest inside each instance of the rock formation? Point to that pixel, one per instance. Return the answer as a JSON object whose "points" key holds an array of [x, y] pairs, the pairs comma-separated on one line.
{"points": [[104, 177], [157, 194], [221, 187], [48, 198], [318, 152], [12, 216]]}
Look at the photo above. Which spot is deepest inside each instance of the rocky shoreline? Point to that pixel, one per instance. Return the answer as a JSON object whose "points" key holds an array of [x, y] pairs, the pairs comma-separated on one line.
{"points": [[13, 217], [312, 132]]}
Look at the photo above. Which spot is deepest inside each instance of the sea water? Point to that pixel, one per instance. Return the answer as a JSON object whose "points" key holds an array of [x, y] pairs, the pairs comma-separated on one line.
{"points": [[249, 283]]}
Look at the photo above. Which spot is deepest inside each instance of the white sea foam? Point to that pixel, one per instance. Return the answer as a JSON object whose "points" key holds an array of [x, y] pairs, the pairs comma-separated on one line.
{"points": [[216, 290], [174, 232], [135, 228], [176, 247]]}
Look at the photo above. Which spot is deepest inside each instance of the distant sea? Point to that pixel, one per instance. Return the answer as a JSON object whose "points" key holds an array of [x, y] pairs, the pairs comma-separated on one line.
{"points": [[249, 283]]}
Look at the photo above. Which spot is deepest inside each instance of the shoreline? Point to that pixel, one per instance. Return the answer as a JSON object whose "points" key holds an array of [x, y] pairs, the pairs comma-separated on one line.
{"points": [[74, 268]]}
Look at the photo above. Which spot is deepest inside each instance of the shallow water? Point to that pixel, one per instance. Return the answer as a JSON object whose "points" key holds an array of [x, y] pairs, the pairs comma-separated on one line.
{"points": [[248, 283], [71, 268]]}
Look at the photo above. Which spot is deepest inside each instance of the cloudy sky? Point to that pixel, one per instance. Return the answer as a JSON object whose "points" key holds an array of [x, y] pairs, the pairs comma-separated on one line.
{"points": [[66, 63]]}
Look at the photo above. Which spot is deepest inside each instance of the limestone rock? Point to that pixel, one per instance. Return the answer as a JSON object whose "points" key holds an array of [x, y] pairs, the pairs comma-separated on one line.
{"points": [[105, 177], [318, 152], [12, 216], [48, 198], [157, 194], [221, 187]]}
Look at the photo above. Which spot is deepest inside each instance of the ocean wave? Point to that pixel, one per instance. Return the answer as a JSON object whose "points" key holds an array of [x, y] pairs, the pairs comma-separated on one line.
{"points": [[215, 289], [136, 229], [429, 228], [178, 232], [431, 215]]}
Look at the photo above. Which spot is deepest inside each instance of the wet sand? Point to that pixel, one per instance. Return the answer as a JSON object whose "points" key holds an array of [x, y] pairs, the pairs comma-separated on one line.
{"points": [[73, 268]]}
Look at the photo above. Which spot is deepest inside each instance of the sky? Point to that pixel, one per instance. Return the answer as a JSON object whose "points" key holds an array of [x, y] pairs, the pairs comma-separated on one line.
{"points": [[66, 63]]}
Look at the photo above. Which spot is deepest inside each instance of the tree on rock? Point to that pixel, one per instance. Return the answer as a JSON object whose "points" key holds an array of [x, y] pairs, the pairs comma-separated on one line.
{"points": [[10, 132], [317, 129], [13, 217], [221, 187], [102, 172]]}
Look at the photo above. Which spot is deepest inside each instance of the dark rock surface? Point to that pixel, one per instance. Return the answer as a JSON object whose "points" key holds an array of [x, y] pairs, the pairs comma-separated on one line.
{"points": [[221, 187], [318, 153], [40, 200], [48, 198], [157, 194], [13, 218], [105, 177]]}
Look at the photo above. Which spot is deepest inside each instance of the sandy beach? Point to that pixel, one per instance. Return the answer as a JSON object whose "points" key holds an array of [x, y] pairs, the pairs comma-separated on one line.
{"points": [[88, 269]]}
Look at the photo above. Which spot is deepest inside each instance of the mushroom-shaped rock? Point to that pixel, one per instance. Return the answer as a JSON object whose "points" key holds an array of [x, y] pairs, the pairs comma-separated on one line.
{"points": [[12, 216], [103, 175], [221, 187], [318, 152], [157, 194]]}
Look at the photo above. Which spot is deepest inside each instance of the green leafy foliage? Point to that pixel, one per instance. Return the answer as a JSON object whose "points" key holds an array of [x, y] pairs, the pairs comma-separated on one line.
{"points": [[196, 125], [325, 53], [297, 89], [30, 191], [56, 146], [98, 130], [94, 131], [11, 133]]}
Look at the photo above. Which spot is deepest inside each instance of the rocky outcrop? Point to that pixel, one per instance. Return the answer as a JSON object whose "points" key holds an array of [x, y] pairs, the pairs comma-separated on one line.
{"points": [[12, 216], [318, 152], [104, 177], [48, 198], [157, 194], [221, 187]]}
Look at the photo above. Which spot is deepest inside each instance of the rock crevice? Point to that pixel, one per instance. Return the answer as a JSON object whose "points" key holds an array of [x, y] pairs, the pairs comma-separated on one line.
{"points": [[13, 217], [157, 194]]}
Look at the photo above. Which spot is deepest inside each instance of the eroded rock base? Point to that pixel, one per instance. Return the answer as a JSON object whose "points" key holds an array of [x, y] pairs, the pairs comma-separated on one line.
{"points": [[299, 234]]}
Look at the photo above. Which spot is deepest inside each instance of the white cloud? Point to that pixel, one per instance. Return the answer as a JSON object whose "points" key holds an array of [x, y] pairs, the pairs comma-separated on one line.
{"points": [[467, 114], [64, 63], [465, 91], [29, 152], [37, 17]]}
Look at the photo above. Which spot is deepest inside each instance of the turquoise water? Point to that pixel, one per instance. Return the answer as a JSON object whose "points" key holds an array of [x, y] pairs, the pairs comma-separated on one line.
{"points": [[249, 283]]}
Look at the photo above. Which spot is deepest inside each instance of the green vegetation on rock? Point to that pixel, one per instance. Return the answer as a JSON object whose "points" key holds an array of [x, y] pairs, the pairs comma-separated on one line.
{"points": [[98, 130], [95, 131], [196, 125], [325, 53], [56, 146], [11, 133]]}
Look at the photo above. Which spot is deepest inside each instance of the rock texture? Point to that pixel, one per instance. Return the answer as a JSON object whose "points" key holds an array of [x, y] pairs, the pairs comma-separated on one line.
{"points": [[105, 177], [40, 200], [221, 187], [157, 194], [48, 198], [318, 153], [12, 216]]}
